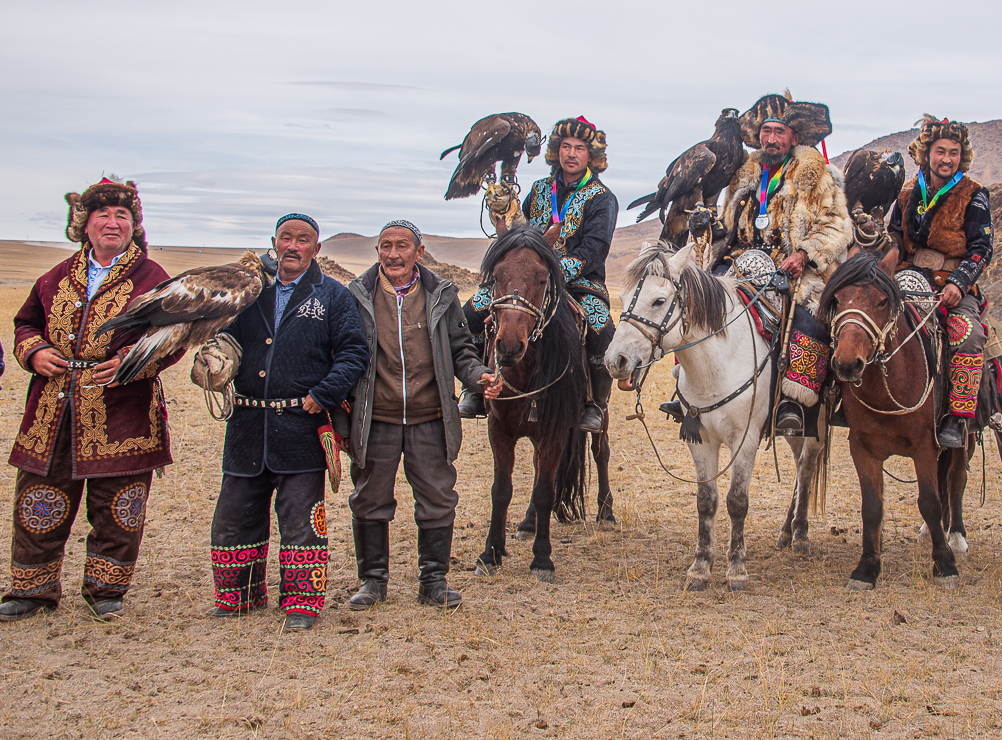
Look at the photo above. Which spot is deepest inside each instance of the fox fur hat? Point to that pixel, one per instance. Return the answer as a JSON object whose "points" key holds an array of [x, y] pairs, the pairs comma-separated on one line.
{"points": [[577, 128], [811, 121], [103, 194], [931, 129]]}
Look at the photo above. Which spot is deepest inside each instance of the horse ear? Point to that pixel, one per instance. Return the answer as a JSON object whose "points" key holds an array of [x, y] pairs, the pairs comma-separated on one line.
{"points": [[889, 262], [681, 260]]}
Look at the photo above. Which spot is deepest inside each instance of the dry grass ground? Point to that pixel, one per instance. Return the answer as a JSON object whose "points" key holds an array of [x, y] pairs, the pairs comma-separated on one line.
{"points": [[614, 649]]}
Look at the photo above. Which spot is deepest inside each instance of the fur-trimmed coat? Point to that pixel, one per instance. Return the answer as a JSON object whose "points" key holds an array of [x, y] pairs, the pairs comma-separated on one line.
{"points": [[807, 211]]}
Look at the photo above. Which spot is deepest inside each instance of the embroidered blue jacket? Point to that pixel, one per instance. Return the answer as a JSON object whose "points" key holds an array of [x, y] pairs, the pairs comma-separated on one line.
{"points": [[319, 349]]}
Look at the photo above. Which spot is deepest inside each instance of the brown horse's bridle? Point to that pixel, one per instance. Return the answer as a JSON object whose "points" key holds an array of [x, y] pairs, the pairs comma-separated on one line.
{"points": [[544, 313], [878, 336]]}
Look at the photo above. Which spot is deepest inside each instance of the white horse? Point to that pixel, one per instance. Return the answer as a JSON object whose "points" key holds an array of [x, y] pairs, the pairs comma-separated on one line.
{"points": [[671, 303]]}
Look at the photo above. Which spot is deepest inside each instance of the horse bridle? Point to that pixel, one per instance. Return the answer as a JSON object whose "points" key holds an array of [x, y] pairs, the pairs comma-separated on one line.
{"points": [[877, 335], [669, 322], [544, 313]]}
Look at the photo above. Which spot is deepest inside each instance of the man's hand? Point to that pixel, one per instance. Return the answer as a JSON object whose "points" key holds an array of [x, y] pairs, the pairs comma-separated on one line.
{"points": [[551, 235], [48, 362], [104, 372], [311, 406], [951, 296], [492, 385], [795, 263]]}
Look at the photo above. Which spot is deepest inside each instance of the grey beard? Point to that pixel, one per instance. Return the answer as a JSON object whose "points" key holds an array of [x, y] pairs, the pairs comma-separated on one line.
{"points": [[771, 160]]}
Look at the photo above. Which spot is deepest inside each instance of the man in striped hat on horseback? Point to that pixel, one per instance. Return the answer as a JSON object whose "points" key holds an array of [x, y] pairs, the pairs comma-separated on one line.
{"points": [[941, 225], [577, 214]]}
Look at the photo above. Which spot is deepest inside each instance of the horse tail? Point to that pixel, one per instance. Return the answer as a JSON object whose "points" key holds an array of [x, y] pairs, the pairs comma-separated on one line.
{"points": [[569, 503]]}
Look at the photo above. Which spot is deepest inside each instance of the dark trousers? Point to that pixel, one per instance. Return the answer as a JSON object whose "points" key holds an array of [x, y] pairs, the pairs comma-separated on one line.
{"points": [[240, 535], [431, 476], [44, 510]]}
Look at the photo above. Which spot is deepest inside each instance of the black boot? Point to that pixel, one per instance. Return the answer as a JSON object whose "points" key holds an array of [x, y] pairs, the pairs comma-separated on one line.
{"points": [[372, 555], [790, 418], [837, 419], [673, 410], [953, 432], [434, 550], [471, 406], [17, 609], [593, 418]]}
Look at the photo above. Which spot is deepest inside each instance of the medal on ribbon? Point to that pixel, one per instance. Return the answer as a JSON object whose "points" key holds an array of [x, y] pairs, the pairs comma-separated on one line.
{"points": [[768, 187], [926, 204], [558, 216]]}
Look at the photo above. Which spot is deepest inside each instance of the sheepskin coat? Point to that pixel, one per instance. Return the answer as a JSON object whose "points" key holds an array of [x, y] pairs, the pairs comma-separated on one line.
{"points": [[807, 211]]}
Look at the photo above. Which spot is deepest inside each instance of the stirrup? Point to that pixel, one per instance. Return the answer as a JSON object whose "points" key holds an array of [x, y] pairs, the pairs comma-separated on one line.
{"points": [[790, 418]]}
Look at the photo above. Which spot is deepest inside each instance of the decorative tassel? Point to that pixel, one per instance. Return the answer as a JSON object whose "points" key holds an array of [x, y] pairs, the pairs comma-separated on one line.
{"points": [[532, 411], [690, 427]]}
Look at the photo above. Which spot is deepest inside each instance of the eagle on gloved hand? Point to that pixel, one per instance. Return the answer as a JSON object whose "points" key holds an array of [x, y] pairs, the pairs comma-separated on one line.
{"points": [[502, 138]]}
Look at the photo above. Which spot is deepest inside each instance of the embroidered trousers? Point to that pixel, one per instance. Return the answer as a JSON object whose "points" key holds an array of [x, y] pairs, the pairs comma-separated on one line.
{"points": [[966, 336], [240, 535], [44, 510]]}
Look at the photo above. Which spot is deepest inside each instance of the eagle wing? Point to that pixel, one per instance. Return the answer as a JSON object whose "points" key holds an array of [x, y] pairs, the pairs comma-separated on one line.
{"points": [[684, 174], [486, 133]]}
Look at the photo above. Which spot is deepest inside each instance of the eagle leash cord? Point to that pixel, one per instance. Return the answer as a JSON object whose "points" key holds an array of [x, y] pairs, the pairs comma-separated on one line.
{"points": [[639, 416]]}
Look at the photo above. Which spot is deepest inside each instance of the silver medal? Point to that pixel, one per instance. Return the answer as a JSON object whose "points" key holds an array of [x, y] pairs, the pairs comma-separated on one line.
{"points": [[762, 221]]}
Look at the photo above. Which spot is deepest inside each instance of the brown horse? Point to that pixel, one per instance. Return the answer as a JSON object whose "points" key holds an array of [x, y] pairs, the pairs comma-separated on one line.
{"points": [[536, 346], [890, 403]]}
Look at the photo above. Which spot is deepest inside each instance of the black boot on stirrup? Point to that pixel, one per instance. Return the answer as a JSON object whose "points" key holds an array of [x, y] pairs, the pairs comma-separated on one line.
{"points": [[837, 419], [790, 418], [673, 410], [471, 406], [372, 554], [953, 432], [434, 552]]}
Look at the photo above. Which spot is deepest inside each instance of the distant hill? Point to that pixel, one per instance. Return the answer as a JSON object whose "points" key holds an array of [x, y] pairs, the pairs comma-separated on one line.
{"points": [[986, 138]]}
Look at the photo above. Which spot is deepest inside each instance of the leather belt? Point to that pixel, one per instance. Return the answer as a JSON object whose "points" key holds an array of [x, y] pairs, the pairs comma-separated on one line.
{"points": [[81, 364], [269, 403], [933, 260]]}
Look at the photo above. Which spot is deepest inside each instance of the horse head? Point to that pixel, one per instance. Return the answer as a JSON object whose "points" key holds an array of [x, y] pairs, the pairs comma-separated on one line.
{"points": [[527, 279], [861, 304]]}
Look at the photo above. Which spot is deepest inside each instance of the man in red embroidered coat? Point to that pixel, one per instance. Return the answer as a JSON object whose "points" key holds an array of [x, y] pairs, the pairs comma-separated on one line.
{"points": [[77, 430], [941, 225]]}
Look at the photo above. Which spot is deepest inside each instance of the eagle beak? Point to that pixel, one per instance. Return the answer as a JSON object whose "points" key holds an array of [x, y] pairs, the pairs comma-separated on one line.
{"points": [[269, 260]]}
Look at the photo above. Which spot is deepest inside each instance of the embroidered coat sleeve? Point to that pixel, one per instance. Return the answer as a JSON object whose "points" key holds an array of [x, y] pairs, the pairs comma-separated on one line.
{"points": [[349, 348], [979, 231], [29, 329], [596, 232]]}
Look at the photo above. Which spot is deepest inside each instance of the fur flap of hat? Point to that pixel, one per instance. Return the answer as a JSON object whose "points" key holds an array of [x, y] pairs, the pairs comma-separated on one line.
{"points": [[932, 129], [103, 194], [577, 129], [811, 121]]}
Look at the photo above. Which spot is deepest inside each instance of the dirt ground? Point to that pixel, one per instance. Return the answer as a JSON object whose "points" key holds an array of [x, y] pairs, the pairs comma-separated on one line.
{"points": [[613, 649]]}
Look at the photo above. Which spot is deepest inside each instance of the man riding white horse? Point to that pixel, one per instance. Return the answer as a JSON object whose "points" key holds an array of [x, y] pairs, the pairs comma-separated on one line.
{"points": [[787, 202]]}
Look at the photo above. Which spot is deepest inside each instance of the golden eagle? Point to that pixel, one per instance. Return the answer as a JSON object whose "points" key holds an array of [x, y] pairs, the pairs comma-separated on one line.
{"points": [[498, 138], [873, 181], [189, 310], [696, 177]]}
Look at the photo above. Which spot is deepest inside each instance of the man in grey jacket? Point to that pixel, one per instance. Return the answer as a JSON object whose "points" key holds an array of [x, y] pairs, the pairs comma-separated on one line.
{"points": [[405, 404]]}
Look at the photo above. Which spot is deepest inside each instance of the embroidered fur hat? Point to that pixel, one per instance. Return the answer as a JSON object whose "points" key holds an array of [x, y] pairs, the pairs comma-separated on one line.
{"points": [[811, 121], [105, 193], [931, 129], [577, 128]]}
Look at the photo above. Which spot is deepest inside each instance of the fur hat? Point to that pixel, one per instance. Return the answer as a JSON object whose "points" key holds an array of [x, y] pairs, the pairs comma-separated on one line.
{"points": [[105, 193], [577, 128], [810, 121], [931, 129]]}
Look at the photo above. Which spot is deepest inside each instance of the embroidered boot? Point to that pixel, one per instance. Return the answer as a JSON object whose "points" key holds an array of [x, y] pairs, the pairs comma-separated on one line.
{"points": [[372, 555], [434, 552]]}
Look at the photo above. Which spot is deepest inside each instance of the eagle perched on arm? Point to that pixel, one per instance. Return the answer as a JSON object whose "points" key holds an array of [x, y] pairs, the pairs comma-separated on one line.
{"points": [[498, 138], [189, 310], [873, 181], [696, 177]]}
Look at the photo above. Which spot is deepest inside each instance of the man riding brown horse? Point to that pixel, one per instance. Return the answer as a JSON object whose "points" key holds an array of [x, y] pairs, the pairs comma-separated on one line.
{"points": [[941, 225]]}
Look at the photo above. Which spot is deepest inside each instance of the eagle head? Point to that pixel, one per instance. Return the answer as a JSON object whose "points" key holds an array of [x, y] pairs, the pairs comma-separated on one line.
{"points": [[728, 113], [894, 160], [265, 267], [533, 143]]}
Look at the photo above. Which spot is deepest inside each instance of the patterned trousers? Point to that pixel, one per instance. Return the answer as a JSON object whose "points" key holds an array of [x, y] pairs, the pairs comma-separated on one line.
{"points": [[240, 534], [44, 510], [966, 336]]}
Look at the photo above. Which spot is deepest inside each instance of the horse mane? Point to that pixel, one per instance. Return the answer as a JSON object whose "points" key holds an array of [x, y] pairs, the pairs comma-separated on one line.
{"points": [[862, 268], [706, 294], [558, 351]]}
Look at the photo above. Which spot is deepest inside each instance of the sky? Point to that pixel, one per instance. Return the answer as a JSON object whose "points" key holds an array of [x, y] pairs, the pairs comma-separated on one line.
{"points": [[229, 114]]}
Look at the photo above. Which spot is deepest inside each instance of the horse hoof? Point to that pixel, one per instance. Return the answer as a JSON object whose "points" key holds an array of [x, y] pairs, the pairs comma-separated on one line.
{"points": [[483, 570], [802, 547], [694, 584], [543, 576], [854, 585], [524, 535], [948, 583], [737, 584], [784, 541], [608, 522], [923, 535], [959, 545]]}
